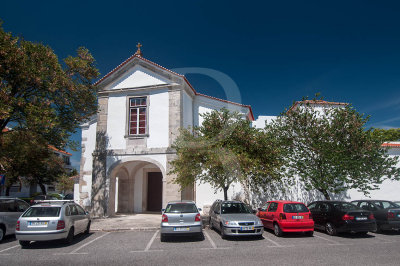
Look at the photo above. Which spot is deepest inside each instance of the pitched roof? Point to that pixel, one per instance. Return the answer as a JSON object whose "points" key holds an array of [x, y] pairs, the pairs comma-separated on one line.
{"points": [[391, 144], [250, 115], [60, 151]]}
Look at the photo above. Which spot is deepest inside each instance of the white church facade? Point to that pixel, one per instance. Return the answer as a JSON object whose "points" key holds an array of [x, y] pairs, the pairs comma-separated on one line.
{"points": [[126, 147]]}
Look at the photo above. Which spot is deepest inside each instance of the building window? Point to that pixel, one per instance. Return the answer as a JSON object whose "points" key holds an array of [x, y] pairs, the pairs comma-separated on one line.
{"points": [[137, 116]]}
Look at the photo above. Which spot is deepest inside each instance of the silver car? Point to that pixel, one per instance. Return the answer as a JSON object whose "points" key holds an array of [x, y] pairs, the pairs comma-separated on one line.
{"points": [[234, 218], [181, 218], [52, 220], [10, 210]]}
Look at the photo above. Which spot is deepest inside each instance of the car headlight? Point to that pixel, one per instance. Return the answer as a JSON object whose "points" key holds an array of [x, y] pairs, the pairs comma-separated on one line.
{"points": [[258, 222], [230, 223]]}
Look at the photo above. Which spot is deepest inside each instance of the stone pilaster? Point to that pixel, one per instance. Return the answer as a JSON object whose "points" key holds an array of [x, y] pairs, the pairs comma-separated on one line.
{"points": [[99, 174]]}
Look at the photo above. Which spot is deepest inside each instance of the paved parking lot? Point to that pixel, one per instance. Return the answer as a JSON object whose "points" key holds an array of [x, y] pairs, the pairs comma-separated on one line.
{"points": [[145, 248]]}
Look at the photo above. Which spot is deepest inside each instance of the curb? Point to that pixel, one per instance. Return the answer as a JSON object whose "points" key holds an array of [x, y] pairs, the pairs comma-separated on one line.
{"points": [[125, 229]]}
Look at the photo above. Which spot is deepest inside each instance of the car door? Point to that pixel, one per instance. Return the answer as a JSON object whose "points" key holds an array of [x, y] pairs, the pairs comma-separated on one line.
{"points": [[81, 219], [317, 214], [263, 213], [75, 218], [271, 215]]}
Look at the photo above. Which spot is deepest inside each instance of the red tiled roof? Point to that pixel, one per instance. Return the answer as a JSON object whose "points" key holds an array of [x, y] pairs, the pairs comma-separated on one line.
{"points": [[391, 145], [322, 102], [250, 115], [61, 151]]}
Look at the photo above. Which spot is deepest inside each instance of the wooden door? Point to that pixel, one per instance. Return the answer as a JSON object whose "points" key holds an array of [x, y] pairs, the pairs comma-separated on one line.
{"points": [[154, 191]]}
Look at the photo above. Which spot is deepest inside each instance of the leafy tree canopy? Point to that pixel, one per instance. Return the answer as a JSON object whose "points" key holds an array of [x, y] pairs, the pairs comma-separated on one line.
{"points": [[223, 150], [331, 151], [392, 134]]}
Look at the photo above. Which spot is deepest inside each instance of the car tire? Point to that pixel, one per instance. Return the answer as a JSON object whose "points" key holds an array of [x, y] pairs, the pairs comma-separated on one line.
{"points": [[330, 229], [2, 234], [309, 233], [378, 229], [362, 233], [70, 236], [24, 244], [163, 238], [210, 225], [222, 232], [277, 230], [201, 237], [87, 231]]}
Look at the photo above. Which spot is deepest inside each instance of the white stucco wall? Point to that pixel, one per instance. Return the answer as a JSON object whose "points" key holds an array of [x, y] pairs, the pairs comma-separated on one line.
{"points": [[158, 119], [261, 121], [88, 133], [116, 121], [187, 110]]}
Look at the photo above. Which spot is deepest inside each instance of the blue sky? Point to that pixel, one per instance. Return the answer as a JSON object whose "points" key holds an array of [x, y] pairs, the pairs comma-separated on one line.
{"points": [[275, 51]]}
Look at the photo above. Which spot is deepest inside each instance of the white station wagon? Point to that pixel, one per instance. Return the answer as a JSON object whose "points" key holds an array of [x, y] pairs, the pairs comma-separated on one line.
{"points": [[52, 220]]}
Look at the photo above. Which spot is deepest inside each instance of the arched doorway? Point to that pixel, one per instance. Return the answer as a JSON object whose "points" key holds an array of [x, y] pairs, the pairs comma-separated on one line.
{"points": [[136, 187]]}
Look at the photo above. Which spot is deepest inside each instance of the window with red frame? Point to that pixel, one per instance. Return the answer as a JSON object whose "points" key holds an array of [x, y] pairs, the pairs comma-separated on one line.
{"points": [[137, 116]]}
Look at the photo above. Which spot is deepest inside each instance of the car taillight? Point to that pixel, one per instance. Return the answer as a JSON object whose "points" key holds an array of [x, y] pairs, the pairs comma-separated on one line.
{"points": [[17, 226], [197, 218], [32, 201], [390, 215], [164, 218], [60, 225], [347, 217], [371, 216], [282, 216]]}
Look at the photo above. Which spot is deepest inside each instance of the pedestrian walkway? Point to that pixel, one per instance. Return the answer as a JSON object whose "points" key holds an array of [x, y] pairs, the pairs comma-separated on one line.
{"points": [[125, 222]]}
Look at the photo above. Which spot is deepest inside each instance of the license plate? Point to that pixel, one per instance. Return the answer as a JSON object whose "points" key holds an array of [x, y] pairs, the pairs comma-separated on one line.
{"points": [[37, 223], [246, 228], [180, 229], [361, 218], [297, 217]]}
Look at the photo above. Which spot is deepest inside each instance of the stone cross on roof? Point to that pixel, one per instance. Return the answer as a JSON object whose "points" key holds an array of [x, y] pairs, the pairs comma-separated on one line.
{"points": [[138, 52]]}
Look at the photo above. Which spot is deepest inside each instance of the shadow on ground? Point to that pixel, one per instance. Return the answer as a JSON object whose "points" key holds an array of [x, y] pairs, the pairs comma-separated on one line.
{"points": [[54, 244]]}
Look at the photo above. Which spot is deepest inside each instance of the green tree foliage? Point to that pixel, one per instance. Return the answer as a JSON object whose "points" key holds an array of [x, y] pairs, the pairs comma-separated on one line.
{"points": [[66, 182], [392, 134], [331, 151], [223, 150], [39, 95]]}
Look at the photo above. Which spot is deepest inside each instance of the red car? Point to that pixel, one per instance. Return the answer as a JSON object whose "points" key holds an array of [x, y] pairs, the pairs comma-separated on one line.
{"points": [[286, 216]]}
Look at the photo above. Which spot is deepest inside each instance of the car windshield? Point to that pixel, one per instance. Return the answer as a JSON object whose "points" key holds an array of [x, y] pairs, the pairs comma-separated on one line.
{"points": [[294, 208], [385, 204], [181, 208], [233, 207], [42, 212], [345, 206]]}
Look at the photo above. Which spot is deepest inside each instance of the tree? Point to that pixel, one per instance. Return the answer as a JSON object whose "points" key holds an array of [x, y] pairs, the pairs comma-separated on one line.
{"points": [[223, 150], [38, 95], [391, 134], [66, 182], [331, 151]]}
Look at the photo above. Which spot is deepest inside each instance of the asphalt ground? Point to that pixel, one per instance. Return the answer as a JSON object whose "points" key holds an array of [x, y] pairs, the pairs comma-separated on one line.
{"points": [[145, 248]]}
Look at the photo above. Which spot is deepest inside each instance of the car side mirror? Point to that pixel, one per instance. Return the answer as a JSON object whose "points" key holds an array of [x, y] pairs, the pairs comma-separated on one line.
{"points": [[200, 209], [162, 210], [259, 209]]}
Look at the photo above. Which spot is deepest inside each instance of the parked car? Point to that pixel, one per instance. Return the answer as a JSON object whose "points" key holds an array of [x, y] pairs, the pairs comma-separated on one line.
{"points": [[387, 213], [234, 218], [39, 198], [10, 210], [50, 221], [181, 218], [286, 216], [69, 196], [339, 216]]}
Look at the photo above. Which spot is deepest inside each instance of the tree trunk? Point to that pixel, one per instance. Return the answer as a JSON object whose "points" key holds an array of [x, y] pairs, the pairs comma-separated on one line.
{"points": [[226, 193], [325, 193], [43, 188], [8, 190]]}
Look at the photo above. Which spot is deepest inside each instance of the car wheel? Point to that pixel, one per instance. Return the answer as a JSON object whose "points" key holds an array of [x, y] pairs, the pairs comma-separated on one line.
{"points": [[309, 233], [362, 233], [277, 230], [2, 233], [163, 238], [24, 244], [378, 229], [222, 231], [330, 229], [210, 225], [201, 236], [70, 236], [87, 231]]}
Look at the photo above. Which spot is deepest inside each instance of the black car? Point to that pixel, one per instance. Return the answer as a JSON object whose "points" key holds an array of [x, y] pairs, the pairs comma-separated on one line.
{"points": [[387, 213], [339, 216]]}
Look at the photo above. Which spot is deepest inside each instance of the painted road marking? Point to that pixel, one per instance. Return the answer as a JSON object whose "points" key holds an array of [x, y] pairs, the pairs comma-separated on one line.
{"points": [[272, 241], [211, 241], [9, 248], [329, 240], [151, 241], [90, 242]]}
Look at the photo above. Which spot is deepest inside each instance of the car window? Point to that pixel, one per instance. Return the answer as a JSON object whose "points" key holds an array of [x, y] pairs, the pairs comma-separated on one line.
{"points": [[181, 208], [294, 208], [42, 212], [265, 207], [324, 207], [344, 206], [21, 205], [80, 210], [67, 211], [74, 210], [234, 207], [385, 204], [273, 207], [312, 206], [218, 207], [7, 206], [364, 205]]}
